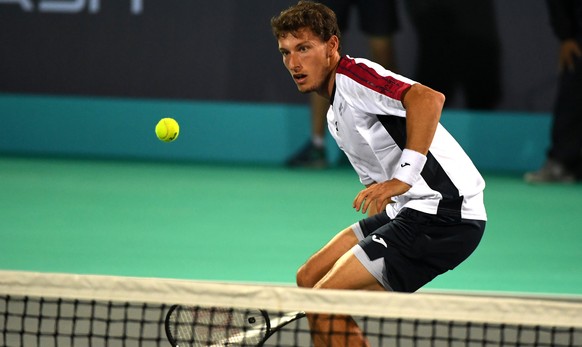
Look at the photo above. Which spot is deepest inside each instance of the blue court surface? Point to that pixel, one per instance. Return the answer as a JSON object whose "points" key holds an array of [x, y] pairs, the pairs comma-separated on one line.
{"points": [[254, 224]]}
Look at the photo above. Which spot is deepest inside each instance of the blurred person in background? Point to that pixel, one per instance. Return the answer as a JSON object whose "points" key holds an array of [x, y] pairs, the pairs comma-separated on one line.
{"points": [[458, 49], [564, 157]]}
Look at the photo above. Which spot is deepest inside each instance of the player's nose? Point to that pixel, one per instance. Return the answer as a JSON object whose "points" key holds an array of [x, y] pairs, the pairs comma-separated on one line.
{"points": [[293, 63]]}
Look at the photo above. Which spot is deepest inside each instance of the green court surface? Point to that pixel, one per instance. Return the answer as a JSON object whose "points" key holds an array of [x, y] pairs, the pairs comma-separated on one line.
{"points": [[254, 224]]}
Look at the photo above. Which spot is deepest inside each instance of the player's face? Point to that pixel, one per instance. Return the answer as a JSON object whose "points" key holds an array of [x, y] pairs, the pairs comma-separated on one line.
{"points": [[306, 57]]}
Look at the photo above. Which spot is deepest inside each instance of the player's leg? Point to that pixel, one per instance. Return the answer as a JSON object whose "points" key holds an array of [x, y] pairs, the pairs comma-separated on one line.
{"points": [[336, 330], [323, 260], [316, 267], [327, 269], [339, 330], [316, 273]]}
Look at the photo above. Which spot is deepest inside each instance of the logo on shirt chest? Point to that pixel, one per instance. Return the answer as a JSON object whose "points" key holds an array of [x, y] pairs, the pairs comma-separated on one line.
{"points": [[340, 113]]}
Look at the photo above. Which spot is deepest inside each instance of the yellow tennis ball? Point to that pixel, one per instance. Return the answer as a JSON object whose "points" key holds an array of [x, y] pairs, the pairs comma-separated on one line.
{"points": [[167, 129]]}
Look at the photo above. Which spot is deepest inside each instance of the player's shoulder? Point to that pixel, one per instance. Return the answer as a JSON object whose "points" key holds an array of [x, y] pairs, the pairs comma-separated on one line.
{"points": [[354, 73], [348, 64], [364, 77], [368, 73]]}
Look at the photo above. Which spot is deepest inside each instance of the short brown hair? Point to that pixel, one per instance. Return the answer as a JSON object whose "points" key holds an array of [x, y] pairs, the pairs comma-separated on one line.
{"points": [[306, 14]]}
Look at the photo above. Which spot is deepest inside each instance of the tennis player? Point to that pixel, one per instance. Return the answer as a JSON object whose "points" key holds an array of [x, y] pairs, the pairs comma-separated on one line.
{"points": [[427, 191]]}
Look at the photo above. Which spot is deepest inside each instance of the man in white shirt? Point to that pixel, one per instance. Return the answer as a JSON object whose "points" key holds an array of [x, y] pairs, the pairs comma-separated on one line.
{"points": [[423, 193]]}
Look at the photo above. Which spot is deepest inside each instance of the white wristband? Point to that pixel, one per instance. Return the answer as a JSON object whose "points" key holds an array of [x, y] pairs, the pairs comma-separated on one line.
{"points": [[409, 166]]}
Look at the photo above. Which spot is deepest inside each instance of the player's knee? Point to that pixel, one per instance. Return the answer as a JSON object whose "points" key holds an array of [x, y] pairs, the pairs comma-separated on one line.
{"points": [[303, 278]]}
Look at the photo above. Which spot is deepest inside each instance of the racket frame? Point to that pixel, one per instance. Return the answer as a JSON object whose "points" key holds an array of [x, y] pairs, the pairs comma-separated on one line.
{"points": [[270, 330]]}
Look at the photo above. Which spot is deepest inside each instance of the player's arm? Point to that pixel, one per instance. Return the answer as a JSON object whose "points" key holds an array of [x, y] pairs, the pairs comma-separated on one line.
{"points": [[423, 110]]}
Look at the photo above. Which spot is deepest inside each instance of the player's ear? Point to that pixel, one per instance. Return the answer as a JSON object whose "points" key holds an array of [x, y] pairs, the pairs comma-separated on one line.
{"points": [[332, 45]]}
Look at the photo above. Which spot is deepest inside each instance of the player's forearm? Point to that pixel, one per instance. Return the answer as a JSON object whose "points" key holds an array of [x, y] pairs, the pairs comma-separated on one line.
{"points": [[423, 110]]}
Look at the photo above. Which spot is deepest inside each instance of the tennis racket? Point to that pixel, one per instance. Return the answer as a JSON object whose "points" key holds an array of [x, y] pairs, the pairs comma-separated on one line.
{"points": [[194, 326]]}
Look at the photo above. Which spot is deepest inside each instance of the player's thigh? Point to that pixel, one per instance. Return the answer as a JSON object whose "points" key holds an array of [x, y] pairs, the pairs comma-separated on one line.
{"points": [[349, 273], [323, 260], [415, 247]]}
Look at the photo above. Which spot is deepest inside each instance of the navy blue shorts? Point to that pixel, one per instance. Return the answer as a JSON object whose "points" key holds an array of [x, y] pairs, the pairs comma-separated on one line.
{"points": [[376, 17], [416, 247]]}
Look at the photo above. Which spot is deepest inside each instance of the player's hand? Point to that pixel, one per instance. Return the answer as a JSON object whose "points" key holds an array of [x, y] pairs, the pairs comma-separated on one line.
{"points": [[380, 194]]}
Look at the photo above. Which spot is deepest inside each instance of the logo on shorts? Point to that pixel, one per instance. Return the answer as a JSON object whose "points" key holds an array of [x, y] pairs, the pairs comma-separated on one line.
{"points": [[380, 240]]}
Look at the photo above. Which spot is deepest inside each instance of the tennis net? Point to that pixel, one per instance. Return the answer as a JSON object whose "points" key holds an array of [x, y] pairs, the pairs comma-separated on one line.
{"points": [[47, 309]]}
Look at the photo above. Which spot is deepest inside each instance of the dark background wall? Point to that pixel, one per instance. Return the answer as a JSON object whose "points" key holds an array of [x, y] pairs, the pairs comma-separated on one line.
{"points": [[219, 50]]}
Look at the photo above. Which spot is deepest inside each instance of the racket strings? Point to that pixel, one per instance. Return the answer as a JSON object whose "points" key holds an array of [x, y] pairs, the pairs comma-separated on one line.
{"points": [[202, 326]]}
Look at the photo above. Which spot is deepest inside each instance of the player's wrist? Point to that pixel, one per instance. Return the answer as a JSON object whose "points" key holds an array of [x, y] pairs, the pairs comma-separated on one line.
{"points": [[409, 166]]}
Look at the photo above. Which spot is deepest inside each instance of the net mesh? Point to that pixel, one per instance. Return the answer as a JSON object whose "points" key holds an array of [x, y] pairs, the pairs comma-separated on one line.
{"points": [[37, 321], [73, 310]]}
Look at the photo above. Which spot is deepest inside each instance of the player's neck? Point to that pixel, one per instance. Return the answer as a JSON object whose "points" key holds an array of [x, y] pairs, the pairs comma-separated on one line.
{"points": [[327, 87]]}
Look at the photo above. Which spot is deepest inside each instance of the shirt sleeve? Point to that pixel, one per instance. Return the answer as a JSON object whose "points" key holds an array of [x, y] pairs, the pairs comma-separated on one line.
{"points": [[375, 90]]}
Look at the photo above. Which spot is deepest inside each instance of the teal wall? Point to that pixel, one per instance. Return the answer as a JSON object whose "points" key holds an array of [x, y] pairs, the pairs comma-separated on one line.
{"points": [[230, 132], [501, 141]]}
